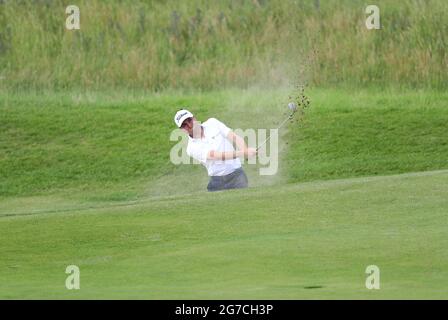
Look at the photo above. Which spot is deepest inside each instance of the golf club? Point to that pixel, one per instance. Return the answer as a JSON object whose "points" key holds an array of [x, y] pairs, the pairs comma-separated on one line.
{"points": [[291, 106]]}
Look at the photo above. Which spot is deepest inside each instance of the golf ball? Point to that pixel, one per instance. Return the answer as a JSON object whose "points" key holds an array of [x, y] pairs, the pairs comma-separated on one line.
{"points": [[292, 106]]}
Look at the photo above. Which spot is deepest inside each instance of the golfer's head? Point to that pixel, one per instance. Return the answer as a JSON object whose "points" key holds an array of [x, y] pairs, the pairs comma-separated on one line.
{"points": [[185, 120]]}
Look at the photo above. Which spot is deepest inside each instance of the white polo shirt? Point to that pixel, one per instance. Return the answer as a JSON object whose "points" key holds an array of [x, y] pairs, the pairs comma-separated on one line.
{"points": [[215, 138]]}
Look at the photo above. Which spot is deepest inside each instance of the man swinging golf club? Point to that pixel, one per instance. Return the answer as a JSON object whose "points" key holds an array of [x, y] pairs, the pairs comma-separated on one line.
{"points": [[212, 144]]}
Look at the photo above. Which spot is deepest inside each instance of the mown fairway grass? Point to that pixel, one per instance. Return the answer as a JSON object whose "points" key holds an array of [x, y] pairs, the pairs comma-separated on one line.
{"points": [[86, 180], [311, 240]]}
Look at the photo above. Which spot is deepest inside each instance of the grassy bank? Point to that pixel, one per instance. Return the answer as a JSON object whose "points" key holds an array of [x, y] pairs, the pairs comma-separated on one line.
{"points": [[362, 133], [202, 45], [116, 145]]}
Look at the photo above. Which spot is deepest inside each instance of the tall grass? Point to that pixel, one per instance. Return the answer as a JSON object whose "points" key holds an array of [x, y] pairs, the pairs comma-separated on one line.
{"points": [[201, 44]]}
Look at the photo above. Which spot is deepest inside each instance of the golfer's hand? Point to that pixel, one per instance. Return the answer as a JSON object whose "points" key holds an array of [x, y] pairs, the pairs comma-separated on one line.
{"points": [[250, 153]]}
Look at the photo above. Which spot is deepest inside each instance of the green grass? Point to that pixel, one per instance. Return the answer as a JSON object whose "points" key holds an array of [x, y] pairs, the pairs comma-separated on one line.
{"points": [[155, 45], [85, 175], [363, 133], [263, 243], [86, 180], [107, 146], [82, 141]]}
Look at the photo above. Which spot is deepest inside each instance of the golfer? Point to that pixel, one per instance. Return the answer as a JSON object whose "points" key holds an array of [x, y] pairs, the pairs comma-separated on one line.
{"points": [[212, 144]]}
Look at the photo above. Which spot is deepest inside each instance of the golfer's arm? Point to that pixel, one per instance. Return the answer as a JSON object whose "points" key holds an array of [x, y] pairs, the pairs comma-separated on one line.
{"points": [[227, 155], [237, 141]]}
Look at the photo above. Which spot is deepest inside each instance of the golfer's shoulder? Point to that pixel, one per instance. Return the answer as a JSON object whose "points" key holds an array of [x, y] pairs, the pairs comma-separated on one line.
{"points": [[212, 122]]}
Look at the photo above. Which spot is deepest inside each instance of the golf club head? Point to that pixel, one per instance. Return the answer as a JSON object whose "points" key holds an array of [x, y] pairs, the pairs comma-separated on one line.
{"points": [[292, 107]]}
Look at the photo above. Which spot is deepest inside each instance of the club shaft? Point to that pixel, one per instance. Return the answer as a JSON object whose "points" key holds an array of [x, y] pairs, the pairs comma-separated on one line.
{"points": [[281, 125]]}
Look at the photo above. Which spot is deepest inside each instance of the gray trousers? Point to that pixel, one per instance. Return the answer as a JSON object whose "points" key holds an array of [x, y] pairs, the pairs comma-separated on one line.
{"points": [[235, 180]]}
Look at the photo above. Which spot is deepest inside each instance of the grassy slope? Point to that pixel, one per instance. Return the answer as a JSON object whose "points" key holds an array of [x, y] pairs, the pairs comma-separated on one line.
{"points": [[272, 242], [363, 132], [84, 142], [262, 243], [116, 146]]}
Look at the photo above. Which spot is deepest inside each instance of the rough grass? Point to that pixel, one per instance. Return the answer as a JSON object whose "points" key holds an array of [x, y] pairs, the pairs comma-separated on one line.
{"points": [[201, 44]]}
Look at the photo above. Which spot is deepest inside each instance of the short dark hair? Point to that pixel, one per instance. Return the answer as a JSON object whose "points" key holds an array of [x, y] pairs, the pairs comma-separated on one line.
{"points": [[182, 124]]}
